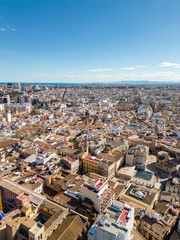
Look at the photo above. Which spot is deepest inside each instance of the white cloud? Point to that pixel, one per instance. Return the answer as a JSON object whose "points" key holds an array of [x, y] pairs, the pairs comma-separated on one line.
{"points": [[3, 29], [141, 66], [7, 51], [168, 76], [99, 70], [127, 68], [169, 64]]}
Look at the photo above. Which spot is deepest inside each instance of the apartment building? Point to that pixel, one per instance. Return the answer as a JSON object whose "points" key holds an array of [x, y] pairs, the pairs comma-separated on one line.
{"points": [[70, 163], [99, 166], [115, 223], [156, 225], [32, 217], [98, 191]]}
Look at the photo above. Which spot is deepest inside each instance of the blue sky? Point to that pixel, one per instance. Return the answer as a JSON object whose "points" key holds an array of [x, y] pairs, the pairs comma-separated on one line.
{"points": [[89, 40]]}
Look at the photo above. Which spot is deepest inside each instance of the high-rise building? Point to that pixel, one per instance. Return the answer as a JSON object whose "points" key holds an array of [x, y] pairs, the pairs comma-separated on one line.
{"points": [[19, 86], [98, 191]]}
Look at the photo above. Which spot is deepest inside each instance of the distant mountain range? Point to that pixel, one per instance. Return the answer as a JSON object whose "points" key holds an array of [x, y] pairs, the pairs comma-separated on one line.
{"points": [[144, 82], [99, 83]]}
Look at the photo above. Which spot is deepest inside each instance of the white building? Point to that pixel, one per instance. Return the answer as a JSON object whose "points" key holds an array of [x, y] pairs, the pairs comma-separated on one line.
{"points": [[98, 191], [8, 117], [45, 157], [115, 224], [2, 106]]}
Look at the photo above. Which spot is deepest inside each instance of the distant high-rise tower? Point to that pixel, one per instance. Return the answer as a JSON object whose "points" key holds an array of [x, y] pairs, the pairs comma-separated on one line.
{"points": [[19, 86]]}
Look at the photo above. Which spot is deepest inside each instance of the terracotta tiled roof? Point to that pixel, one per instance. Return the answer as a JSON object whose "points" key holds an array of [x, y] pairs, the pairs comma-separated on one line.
{"points": [[71, 227]]}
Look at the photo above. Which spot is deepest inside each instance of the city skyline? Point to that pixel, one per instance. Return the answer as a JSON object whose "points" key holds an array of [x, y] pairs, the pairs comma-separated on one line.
{"points": [[89, 41]]}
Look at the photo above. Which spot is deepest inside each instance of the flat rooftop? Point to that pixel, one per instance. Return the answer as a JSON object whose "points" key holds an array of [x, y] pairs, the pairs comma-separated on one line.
{"points": [[18, 189], [115, 219], [127, 170], [112, 228], [146, 200], [94, 186]]}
